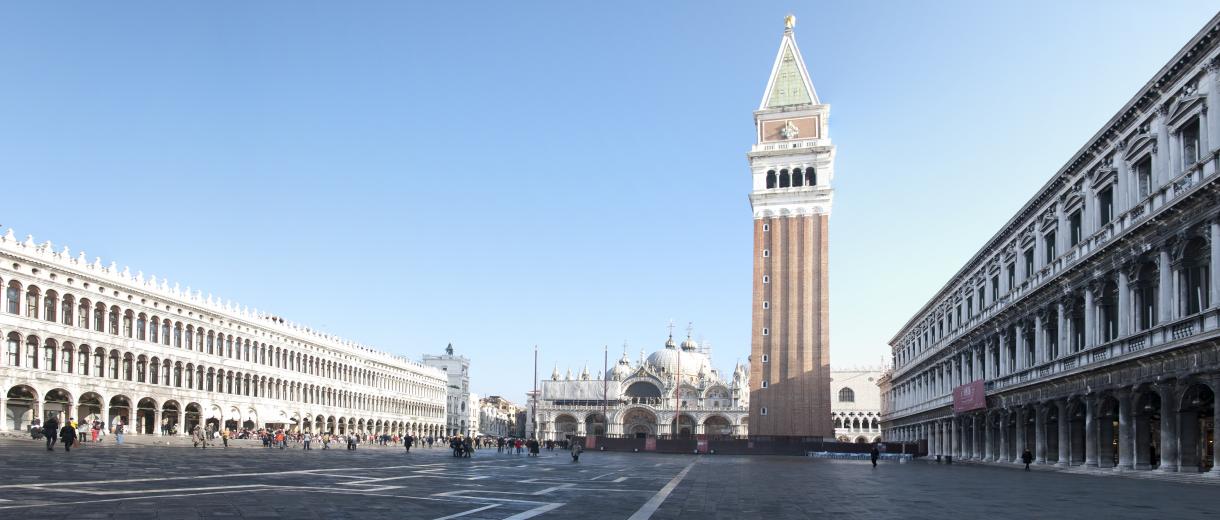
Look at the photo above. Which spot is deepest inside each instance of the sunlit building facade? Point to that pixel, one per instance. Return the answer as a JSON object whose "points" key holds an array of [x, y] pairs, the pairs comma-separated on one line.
{"points": [[92, 342], [1089, 323]]}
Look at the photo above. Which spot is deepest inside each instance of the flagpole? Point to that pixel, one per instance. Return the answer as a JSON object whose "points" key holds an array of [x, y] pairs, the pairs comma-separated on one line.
{"points": [[534, 400], [605, 385]]}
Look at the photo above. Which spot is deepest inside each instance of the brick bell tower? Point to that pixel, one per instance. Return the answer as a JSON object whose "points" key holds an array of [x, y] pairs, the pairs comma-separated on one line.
{"points": [[792, 166]]}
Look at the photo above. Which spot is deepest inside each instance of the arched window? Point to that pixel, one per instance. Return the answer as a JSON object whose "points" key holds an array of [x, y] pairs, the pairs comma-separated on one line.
{"points": [[127, 325], [127, 373], [796, 178], [50, 305], [178, 335], [31, 303], [82, 357], [67, 307], [811, 177], [12, 352], [114, 320], [31, 352], [847, 395], [13, 297], [48, 354], [99, 317], [784, 179], [114, 364], [141, 327], [770, 179], [99, 363], [65, 357], [165, 331]]}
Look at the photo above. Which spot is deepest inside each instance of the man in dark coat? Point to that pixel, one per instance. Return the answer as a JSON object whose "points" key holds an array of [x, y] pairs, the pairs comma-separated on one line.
{"points": [[67, 434], [1027, 457], [49, 430]]}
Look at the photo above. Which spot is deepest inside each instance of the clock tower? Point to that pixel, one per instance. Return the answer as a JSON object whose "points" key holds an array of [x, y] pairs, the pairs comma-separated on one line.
{"points": [[791, 167]]}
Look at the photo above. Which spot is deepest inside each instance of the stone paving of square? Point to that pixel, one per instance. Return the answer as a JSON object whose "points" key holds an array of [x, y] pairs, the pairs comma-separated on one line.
{"points": [[246, 481]]}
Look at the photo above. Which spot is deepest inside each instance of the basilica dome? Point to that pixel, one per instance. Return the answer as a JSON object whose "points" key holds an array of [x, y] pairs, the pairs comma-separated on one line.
{"points": [[692, 362]]}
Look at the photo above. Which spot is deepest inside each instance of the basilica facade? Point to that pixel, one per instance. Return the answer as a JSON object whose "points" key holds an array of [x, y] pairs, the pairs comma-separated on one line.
{"points": [[88, 341], [1086, 330], [644, 398]]}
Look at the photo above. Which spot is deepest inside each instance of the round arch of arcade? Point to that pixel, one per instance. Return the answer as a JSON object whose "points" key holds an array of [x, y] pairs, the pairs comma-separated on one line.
{"points": [[143, 414], [1170, 425]]}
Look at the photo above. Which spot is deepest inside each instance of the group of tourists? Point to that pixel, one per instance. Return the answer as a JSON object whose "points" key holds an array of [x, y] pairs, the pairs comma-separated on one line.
{"points": [[72, 433]]}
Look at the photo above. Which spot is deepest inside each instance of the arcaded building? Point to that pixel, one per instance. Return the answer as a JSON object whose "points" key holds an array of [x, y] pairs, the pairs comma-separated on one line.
{"points": [[97, 343], [791, 168], [1086, 329], [856, 404]]}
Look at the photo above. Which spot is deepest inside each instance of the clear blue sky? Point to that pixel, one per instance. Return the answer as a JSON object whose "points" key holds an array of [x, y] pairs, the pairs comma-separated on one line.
{"points": [[507, 174]]}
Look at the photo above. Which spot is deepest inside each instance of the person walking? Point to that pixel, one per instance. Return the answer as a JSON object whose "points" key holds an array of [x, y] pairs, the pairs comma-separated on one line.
{"points": [[1027, 457], [67, 434], [307, 439], [93, 431], [874, 454], [119, 430], [50, 430], [577, 449], [224, 437]]}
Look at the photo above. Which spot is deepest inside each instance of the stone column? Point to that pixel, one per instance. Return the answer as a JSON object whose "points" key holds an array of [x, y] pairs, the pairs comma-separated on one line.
{"points": [[1165, 305], [975, 366], [1124, 303], [5, 426], [1090, 431], [1002, 348], [1126, 441], [989, 441], [1204, 138], [1213, 101], [1169, 428], [1160, 150], [1064, 439], [1039, 338], [1020, 434], [931, 436], [1018, 346], [946, 437], [955, 439], [1122, 197], [976, 451], [1060, 328], [1090, 321], [1039, 435], [1062, 233], [1004, 440], [1215, 383], [1214, 273]]}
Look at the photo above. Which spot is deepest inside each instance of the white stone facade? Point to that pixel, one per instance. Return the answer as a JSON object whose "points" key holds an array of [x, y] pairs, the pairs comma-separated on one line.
{"points": [[856, 404], [1090, 320], [641, 399], [457, 399], [88, 341]]}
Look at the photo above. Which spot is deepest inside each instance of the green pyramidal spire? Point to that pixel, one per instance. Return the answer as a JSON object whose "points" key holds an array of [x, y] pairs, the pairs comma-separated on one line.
{"points": [[789, 84]]}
